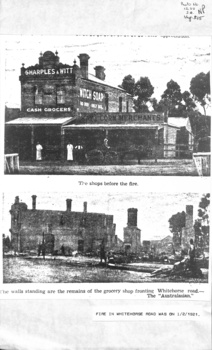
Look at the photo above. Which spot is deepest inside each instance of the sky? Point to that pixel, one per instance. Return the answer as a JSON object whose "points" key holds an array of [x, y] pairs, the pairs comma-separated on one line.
{"points": [[159, 58], [154, 209]]}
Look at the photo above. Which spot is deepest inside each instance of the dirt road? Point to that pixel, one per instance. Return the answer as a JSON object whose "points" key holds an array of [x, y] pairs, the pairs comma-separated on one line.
{"points": [[74, 270]]}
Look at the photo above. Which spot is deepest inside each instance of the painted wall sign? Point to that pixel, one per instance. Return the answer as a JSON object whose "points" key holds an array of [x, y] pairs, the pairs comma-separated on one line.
{"points": [[92, 105], [50, 71], [129, 118], [91, 95], [47, 109]]}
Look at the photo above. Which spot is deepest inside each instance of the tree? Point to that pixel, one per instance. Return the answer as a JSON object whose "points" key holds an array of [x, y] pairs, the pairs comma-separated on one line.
{"points": [[143, 92], [176, 225], [188, 103], [201, 126], [200, 89], [172, 98], [128, 84], [201, 225]]}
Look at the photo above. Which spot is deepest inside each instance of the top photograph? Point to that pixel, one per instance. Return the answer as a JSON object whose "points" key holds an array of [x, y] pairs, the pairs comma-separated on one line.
{"points": [[107, 105]]}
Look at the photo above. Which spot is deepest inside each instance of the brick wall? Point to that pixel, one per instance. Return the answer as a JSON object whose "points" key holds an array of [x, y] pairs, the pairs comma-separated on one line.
{"points": [[132, 238], [68, 228], [79, 94]]}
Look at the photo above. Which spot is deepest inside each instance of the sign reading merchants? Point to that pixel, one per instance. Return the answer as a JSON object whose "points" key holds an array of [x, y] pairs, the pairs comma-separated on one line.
{"points": [[122, 118]]}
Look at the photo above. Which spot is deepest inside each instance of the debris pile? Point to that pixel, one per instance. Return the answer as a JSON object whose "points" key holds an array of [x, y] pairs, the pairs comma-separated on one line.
{"points": [[183, 268]]}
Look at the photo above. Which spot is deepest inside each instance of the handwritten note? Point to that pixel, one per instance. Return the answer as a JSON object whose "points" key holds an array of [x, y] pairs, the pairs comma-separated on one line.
{"points": [[193, 11]]}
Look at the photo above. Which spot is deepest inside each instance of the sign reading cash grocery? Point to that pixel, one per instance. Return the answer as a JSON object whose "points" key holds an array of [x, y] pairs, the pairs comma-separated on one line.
{"points": [[48, 109], [49, 71]]}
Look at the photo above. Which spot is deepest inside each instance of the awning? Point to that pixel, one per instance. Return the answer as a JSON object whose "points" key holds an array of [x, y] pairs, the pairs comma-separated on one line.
{"points": [[31, 120], [112, 126]]}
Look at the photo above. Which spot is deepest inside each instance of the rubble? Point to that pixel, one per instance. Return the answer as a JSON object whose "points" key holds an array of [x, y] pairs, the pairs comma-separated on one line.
{"points": [[182, 268]]}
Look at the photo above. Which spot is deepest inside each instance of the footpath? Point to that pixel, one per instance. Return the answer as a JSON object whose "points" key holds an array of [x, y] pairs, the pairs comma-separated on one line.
{"points": [[164, 167]]}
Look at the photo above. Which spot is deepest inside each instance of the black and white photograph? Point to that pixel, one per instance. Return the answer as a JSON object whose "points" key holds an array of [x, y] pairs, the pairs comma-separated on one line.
{"points": [[106, 175], [119, 237], [98, 105]]}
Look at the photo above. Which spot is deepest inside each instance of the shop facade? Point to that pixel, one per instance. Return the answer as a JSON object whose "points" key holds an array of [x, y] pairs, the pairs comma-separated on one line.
{"points": [[63, 103]]}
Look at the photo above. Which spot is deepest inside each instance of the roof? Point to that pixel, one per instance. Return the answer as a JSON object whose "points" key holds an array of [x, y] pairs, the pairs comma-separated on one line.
{"points": [[104, 82], [33, 120], [113, 126], [180, 122]]}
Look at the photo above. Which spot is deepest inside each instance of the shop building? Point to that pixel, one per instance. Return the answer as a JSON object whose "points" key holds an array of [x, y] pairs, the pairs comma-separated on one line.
{"points": [[62, 103], [76, 231]]}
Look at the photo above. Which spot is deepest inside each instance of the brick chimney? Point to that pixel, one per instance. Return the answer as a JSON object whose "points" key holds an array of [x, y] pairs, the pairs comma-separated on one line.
{"points": [[83, 57], [16, 200], [34, 202], [68, 205], [132, 217], [100, 72], [85, 207]]}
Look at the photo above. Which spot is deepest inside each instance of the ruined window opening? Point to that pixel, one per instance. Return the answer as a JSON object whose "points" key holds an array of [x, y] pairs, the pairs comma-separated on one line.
{"points": [[62, 220], [105, 222], [83, 222]]}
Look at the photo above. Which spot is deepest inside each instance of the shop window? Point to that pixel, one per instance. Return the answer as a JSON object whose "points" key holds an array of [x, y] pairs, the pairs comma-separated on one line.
{"points": [[120, 104], [106, 102], [60, 95]]}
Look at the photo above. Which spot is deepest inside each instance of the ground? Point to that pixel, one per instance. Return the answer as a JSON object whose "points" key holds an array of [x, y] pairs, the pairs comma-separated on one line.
{"points": [[76, 270], [175, 167]]}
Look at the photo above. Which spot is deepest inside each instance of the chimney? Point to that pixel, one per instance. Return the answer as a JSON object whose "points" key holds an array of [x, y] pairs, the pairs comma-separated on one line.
{"points": [[22, 69], [100, 72], [189, 210], [34, 202], [85, 207], [68, 205], [132, 217], [83, 57]]}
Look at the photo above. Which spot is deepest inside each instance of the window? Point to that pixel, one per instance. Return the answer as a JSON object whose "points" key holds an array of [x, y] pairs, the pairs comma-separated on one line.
{"points": [[38, 96], [106, 102], [49, 96], [127, 107], [120, 104], [60, 95], [62, 221]]}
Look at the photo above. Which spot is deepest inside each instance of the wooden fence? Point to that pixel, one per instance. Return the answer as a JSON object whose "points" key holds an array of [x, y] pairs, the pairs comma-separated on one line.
{"points": [[11, 163]]}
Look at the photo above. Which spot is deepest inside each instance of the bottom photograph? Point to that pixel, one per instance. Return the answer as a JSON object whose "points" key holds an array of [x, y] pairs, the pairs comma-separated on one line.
{"points": [[101, 237]]}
